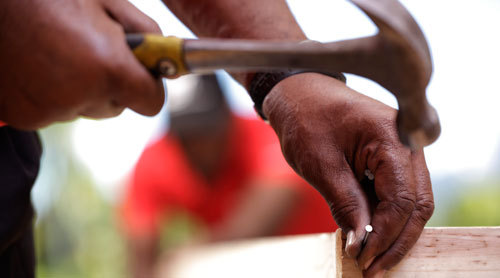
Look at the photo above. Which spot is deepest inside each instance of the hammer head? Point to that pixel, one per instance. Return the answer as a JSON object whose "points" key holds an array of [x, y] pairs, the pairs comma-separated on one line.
{"points": [[399, 59]]}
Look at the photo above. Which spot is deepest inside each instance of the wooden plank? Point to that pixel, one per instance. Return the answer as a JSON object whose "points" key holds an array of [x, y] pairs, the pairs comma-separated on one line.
{"points": [[289, 256], [440, 252]]}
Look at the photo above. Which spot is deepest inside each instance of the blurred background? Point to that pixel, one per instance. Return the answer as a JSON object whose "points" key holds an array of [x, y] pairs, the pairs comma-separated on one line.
{"points": [[86, 163]]}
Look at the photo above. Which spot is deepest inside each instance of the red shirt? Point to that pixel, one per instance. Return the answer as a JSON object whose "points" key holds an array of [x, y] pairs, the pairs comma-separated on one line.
{"points": [[163, 181]]}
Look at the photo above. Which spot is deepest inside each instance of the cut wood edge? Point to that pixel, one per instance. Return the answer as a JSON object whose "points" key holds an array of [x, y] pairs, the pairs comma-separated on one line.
{"points": [[339, 247]]}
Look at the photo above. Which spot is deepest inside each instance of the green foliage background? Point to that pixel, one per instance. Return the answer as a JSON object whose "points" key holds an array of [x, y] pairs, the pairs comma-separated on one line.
{"points": [[476, 205], [78, 235]]}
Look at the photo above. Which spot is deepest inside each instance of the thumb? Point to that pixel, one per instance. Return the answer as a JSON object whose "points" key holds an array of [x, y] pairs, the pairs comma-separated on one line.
{"points": [[140, 91], [131, 18], [350, 208]]}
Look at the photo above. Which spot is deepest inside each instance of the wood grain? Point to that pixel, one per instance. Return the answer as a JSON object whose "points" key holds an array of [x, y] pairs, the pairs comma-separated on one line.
{"points": [[442, 252]]}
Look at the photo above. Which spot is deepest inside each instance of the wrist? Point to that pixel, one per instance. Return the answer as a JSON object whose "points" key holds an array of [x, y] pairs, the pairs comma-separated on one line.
{"points": [[301, 96], [264, 82]]}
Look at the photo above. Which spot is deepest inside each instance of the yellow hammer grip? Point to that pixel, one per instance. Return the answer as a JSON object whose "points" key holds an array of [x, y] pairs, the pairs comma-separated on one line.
{"points": [[162, 56]]}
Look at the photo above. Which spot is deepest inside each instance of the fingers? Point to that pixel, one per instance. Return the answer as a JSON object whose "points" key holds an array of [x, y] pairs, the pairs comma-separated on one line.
{"points": [[105, 110], [131, 18], [395, 188], [138, 90], [349, 206], [422, 213]]}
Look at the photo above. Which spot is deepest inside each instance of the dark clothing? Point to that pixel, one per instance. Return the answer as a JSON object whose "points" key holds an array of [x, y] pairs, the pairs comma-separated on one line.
{"points": [[20, 153]]}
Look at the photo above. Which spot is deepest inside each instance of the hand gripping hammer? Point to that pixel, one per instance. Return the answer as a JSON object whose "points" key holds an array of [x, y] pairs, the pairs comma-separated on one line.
{"points": [[397, 58]]}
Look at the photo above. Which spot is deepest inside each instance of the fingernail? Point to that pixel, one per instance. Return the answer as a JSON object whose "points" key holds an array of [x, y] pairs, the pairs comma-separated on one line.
{"points": [[368, 263], [380, 274], [350, 239]]}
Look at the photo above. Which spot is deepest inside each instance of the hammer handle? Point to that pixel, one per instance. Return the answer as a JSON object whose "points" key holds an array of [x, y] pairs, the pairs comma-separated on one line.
{"points": [[158, 52]]}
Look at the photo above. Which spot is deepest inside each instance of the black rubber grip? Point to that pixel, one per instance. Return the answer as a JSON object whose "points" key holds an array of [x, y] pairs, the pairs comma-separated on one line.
{"points": [[134, 40]]}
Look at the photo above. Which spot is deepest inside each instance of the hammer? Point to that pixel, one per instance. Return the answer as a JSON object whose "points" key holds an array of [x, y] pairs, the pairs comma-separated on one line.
{"points": [[397, 58]]}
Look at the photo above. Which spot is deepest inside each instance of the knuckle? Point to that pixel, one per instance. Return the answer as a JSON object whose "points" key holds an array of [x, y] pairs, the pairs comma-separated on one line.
{"points": [[395, 154], [406, 198], [404, 203], [341, 211], [399, 252], [103, 80], [152, 26], [425, 208], [109, 69], [396, 160], [101, 63]]}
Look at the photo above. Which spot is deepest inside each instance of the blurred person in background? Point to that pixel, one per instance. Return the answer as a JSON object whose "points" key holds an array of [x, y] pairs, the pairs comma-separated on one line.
{"points": [[224, 170], [63, 59]]}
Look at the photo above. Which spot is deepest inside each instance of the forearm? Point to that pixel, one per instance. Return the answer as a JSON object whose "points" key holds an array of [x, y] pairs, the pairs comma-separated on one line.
{"points": [[244, 19], [143, 253], [260, 212]]}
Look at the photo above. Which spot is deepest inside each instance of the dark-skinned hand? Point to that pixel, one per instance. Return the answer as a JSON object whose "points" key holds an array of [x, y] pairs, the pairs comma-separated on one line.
{"points": [[330, 135], [67, 58]]}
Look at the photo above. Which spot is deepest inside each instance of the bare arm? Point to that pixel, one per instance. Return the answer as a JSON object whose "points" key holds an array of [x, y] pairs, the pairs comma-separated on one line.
{"points": [[238, 19], [254, 19], [142, 255], [260, 212]]}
